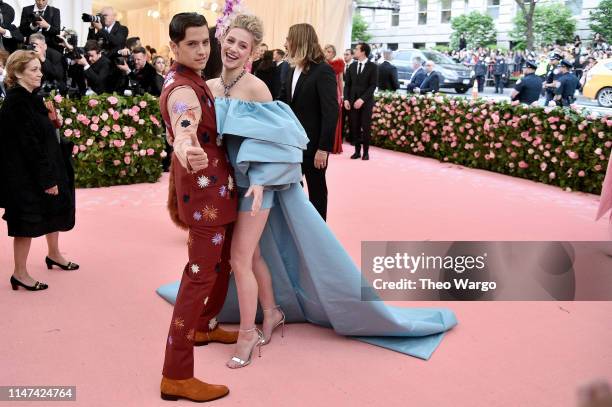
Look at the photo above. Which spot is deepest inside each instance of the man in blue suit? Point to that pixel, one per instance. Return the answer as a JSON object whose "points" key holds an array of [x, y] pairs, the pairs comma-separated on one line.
{"points": [[418, 75], [431, 83]]}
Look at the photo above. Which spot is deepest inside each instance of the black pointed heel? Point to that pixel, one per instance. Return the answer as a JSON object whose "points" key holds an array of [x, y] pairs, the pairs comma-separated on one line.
{"points": [[36, 287], [70, 266]]}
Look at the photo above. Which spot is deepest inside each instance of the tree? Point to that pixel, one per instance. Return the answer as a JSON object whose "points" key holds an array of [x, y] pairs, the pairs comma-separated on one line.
{"points": [[527, 7], [478, 29], [360, 29], [551, 24], [601, 19]]}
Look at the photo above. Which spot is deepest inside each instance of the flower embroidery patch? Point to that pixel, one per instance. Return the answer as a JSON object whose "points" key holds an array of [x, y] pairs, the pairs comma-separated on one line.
{"points": [[195, 269], [210, 213], [180, 107], [190, 335], [230, 183], [219, 140], [197, 215], [170, 340], [217, 239], [185, 123], [179, 323], [222, 191], [212, 324], [205, 300], [203, 181]]}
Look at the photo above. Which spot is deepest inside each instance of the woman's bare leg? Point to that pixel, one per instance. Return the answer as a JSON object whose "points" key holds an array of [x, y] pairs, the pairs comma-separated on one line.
{"points": [[245, 239]]}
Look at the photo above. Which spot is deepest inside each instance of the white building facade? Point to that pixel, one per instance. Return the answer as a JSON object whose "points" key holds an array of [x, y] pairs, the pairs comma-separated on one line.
{"points": [[426, 23]]}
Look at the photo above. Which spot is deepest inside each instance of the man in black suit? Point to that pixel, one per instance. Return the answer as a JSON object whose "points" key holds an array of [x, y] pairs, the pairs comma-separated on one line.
{"points": [[361, 80], [53, 66], [310, 90], [283, 67], [418, 74], [111, 36], [10, 36], [387, 73], [98, 69], [44, 19], [431, 84], [142, 76]]}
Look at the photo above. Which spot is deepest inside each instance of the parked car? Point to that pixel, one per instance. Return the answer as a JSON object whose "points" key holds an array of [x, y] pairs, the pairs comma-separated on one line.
{"points": [[599, 83], [452, 74]]}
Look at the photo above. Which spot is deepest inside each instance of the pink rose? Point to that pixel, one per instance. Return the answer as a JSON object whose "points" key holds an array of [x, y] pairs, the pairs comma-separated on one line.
{"points": [[523, 164], [581, 173], [104, 133], [597, 167], [142, 153], [163, 154], [82, 147], [92, 103], [112, 100], [68, 121], [150, 151], [116, 162], [75, 150], [573, 155], [141, 122], [94, 127], [104, 116], [115, 115], [89, 142], [552, 175], [68, 132], [95, 119], [127, 160], [58, 98], [134, 146], [81, 117], [116, 128], [142, 104]]}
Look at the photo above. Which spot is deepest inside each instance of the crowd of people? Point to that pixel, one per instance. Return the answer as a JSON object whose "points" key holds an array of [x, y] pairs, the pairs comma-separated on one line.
{"points": [[109, 61]]}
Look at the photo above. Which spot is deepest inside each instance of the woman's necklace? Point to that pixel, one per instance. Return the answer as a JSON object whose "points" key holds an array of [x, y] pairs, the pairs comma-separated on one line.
{"points": [[226, 87]]}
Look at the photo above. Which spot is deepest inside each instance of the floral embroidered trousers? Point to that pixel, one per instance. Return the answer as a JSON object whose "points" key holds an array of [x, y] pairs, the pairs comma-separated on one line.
{"points": [[200, 298]]}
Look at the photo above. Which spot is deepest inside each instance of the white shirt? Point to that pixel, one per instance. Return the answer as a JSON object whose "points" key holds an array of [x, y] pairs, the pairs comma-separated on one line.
{"points": [[108, 29], [296, 76]]}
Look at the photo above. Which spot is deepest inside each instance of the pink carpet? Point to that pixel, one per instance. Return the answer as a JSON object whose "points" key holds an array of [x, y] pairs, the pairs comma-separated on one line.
{"points": [[103, 328]]}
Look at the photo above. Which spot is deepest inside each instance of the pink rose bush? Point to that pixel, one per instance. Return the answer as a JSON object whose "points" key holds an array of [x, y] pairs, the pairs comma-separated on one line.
{"points": [[552, 145], [104, 138]]}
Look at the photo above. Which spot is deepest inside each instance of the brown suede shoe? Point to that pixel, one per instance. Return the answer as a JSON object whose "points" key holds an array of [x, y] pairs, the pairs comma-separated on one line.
{"points": [[216, 335], [191, 389]]}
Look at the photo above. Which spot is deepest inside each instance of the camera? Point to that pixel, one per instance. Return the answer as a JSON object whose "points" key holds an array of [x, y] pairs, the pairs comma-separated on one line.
{"points": [[90, 18], [30, 47], [34, 18], [76, 53]]}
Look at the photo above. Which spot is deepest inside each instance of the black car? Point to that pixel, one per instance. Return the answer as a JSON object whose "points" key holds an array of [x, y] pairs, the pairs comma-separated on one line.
{"points": [[452, 74]]}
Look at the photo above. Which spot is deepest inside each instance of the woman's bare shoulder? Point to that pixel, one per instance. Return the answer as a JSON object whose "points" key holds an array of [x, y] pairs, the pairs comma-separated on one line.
{"points": [[258, 90]]}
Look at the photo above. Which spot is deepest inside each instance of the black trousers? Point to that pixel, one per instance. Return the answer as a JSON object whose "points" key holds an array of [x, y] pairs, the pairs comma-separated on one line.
{"points": [[317, 185], [361, 126], [481, 83], [499, 84]]}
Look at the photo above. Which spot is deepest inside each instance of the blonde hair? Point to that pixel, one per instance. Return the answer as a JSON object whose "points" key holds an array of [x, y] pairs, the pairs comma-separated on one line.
{"points": [[15, 64], [251, 24], [333, 48], [304, 47]]}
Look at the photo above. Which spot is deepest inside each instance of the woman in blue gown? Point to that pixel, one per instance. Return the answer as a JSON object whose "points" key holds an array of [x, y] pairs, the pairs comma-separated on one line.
{"points": [[282, 250]]}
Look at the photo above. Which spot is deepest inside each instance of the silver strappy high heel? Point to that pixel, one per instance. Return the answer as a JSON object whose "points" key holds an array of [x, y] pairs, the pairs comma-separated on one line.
{"points": [[280, 323], [243, 363]]}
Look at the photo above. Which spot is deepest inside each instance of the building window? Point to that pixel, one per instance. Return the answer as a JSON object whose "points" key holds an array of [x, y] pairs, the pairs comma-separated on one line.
{"points": [[575, 6], [394, 18], [418, 45], [422, 12], [493, 8], [392, 46], [445, 16]]}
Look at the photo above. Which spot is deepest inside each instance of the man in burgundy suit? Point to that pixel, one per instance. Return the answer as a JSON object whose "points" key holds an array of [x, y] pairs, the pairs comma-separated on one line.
{"points": [[206, 202]]}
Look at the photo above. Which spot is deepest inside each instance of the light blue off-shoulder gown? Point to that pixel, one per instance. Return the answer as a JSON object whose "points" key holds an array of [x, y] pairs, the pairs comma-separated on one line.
{"points": [[314, 279]]}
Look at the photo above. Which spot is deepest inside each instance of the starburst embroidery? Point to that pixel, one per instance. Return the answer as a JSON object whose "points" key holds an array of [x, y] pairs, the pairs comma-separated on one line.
{"points": [[219, 140], [210, 213], [212, 324], [205, 300], [185, 123], [179, 107], [179, 323], [195, 268], [190, 334], [230, 183], [197, 215], [222, 191], [217, 239], [170, 340], [203, 181]]}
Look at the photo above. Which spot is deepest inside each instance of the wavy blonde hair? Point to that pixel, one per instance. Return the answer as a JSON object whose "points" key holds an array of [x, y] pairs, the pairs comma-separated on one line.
{"points": [[251, 24], [304, 47], [15, 64]]}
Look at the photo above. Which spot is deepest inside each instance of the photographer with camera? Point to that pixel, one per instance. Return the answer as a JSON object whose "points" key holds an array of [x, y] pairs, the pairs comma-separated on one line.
{"points": [[109, 33], [141, 79], [10, 36], [98, 68], [53, 65], [44, 19], [75, 80]]}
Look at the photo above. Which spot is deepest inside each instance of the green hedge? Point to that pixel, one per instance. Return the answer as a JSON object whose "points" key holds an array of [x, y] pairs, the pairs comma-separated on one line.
{"points": [[118, 139], [557, 146]]}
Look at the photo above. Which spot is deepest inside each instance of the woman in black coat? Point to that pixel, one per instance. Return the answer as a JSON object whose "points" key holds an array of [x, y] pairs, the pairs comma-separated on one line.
{"points": [[36, 174]]}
